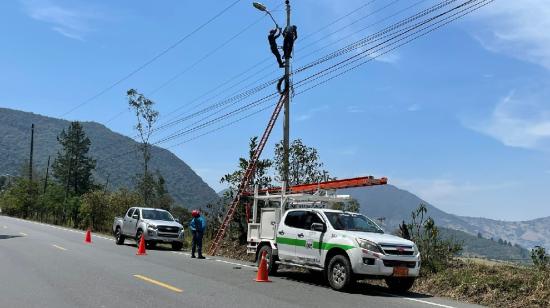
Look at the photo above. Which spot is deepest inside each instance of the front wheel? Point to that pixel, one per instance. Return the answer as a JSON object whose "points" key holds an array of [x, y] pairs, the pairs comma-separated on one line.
{"points": [[339, 272], [400, 285], [177, 246], [119, 238], [271, 265]]}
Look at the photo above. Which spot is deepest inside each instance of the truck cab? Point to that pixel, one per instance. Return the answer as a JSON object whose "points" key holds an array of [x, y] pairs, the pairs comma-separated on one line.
{"points": [[346, 246]]}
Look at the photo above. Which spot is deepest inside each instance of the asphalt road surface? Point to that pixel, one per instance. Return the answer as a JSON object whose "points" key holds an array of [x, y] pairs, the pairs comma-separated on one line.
{"points": [[49, 266]]}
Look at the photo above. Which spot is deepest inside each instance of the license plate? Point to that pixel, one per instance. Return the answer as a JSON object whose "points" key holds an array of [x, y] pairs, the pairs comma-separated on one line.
{"points": [[400, 271]]}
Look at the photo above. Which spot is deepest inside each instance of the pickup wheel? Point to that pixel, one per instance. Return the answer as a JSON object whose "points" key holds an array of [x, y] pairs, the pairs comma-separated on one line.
{"points": [[271, 265], [400, 285], [177, 246], [119, 238], [339, 273]]}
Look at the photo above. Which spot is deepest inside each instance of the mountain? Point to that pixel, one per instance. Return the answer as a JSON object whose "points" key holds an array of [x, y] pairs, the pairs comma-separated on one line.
{"points": [[108, 148], [395, 205]]}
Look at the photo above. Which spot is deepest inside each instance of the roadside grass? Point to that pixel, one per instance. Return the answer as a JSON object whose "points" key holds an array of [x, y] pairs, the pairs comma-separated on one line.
{"points": [[494, 285]]}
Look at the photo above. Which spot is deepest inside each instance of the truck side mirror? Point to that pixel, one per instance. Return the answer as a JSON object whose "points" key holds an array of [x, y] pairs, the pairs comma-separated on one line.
{"points": [[319, 227]]}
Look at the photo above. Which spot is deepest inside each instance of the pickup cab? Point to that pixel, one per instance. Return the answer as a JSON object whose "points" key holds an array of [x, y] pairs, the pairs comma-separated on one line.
{"points": [[345, 246], [155, 225]]}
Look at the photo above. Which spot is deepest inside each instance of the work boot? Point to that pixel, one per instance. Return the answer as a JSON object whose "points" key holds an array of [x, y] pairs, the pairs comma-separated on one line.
{"points": [[202, 257], [193, 256]]}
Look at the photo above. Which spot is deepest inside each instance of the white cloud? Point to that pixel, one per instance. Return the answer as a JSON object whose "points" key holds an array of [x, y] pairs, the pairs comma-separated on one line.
{"points": [[69, 22], [518, 121], [310, 113], [413, 107], [444, 191], [518, 29], [354, 109]]}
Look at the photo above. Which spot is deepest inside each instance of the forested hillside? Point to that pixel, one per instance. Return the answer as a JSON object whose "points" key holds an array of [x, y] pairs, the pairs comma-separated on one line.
{"points": [[117, 160]]}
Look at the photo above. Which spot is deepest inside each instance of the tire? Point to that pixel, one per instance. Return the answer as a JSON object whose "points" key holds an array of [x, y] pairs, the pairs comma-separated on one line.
{"points": [[339, 273], [400, 285], [271, 265], [177, 246], [119, 237]]}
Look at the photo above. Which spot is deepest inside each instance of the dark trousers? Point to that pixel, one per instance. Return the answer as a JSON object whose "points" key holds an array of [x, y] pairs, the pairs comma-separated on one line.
{"points": [[196, 243]]}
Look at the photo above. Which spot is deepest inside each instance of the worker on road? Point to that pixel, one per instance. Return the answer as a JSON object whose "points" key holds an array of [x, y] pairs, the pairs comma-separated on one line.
{"points": [[272, 38], [197, 226]]}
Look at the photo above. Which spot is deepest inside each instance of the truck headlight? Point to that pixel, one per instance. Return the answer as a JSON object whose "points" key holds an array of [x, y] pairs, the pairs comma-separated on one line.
{"points": [[416, 251], [368, 245], [152, 227]]}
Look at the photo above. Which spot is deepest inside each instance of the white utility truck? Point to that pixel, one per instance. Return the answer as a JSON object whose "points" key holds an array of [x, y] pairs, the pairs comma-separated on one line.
{"points": [[303, 231]]}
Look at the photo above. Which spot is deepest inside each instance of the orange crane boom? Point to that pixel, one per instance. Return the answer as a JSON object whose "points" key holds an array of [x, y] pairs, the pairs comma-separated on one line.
{"points": [[330, 185]]}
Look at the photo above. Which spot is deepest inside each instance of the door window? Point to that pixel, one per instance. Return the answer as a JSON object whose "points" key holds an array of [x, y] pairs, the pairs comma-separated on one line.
{"points": [[130, 212], [295, 219], [311, 218]]}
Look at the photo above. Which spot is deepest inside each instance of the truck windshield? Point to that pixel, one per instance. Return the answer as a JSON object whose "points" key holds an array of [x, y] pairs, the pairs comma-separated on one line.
{"points": [[157, 215], [352, 222]]}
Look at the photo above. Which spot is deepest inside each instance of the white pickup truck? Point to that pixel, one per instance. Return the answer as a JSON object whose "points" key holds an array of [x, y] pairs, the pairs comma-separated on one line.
{"points": [[156, 225], [345, 246]]}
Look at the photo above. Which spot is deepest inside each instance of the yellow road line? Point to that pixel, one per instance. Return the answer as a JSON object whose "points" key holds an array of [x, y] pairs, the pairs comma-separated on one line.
{"points": [[24, 234], [158, 283], [58, 247]]}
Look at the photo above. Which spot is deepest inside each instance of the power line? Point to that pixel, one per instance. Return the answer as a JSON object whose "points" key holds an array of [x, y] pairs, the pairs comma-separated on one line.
{"points": [[148, 62], [427, 25]]}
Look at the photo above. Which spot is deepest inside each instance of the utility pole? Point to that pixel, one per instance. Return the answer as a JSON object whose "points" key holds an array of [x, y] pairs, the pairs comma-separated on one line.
{"points": [[46, 178], [286, 121], [32, 148]]}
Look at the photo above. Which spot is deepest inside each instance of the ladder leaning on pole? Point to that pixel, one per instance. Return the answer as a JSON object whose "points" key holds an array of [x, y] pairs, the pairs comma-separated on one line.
{"points": [[247, 177]]}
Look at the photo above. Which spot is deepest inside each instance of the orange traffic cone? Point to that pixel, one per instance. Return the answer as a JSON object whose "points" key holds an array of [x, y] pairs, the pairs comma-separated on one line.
{"points": [[262, 270], [88, 238], [141, 247]]}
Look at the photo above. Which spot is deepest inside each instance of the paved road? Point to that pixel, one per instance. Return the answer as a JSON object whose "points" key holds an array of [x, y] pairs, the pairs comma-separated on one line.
{"points": [[48, 266]]}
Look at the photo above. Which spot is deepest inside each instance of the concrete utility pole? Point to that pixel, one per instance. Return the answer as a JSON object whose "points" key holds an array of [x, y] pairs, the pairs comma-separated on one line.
{"points": [[30, 156], [286, 123], [46, 178]]}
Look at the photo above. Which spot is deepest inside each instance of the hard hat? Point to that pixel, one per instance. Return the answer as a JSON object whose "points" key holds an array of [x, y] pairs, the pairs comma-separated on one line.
{"points": [[195, 213]]}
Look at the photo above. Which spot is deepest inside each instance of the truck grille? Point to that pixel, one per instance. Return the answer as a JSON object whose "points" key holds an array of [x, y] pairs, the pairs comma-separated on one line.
{"points": [[168, 229], [397, 250], [397, 263], [168, 235]]}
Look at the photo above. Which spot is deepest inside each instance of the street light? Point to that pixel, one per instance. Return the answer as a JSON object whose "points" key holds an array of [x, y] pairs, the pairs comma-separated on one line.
{"points": [[259, 6]]}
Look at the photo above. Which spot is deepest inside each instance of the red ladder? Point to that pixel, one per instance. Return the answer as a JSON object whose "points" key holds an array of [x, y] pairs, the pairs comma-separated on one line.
{"points": [[246, 178]]}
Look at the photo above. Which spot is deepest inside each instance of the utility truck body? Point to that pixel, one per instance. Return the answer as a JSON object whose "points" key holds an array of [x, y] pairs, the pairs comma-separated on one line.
{"points": [[303, 231]]}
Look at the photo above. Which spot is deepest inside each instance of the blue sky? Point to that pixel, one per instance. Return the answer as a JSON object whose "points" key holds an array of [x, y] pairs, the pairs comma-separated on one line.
{"points": [[460, 117]]}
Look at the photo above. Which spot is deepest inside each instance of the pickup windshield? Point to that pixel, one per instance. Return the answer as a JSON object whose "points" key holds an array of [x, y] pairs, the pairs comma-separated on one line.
{"points": [[352, 222], [157, 215]]}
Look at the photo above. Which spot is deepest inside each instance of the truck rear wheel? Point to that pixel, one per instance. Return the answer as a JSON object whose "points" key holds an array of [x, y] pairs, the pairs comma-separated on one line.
{"points": [[119, 238], [339, 273], [400, 285], [271, 265]]}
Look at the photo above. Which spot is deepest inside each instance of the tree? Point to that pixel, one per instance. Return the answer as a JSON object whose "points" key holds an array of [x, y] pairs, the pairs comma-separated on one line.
{"points": [[146, 117], [73, 166], [304, 164], [436, 252], [162, 198], [260, 178], [540, 259]]}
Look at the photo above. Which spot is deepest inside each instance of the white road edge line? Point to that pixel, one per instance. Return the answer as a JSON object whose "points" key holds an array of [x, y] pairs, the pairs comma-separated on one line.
{"points": [[60, 228], [24, 234], [234, 263], [418, 300]]}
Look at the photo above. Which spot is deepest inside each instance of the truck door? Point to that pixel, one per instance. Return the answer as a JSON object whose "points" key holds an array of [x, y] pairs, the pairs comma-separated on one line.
{"points": [[127, 221], [287, 235], [310, 252]]}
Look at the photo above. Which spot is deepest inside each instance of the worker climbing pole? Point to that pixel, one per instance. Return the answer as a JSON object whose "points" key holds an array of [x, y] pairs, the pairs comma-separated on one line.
{"points": [[290, 35]]}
